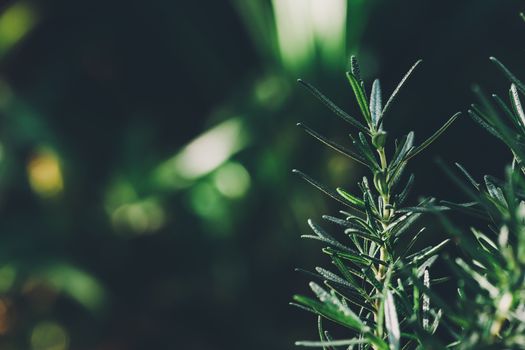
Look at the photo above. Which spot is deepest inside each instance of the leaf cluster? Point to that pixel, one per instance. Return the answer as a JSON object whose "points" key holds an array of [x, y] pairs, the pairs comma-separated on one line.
{"points": [[489, 312], [379, 288]]}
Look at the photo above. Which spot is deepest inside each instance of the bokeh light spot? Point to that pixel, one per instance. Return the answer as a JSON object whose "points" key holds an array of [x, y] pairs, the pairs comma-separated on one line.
{"points": [[45, 174], [232, 180], [203, 155], [140, 217], [49, 336], [15, 22]]}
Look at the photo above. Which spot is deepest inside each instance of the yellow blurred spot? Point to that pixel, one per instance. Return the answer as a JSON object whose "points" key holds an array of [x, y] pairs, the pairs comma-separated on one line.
{"points": [[15, 22], [203, 155], [232, 180], [7, 278], [45, 175], [141, 217], [49, 336]]}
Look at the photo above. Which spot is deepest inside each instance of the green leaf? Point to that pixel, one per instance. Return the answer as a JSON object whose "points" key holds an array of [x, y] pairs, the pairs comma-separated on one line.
{"points": [[330, 276], [351, 198], [353, 257], [467, 208], [410, 244], [515, 119], [341, 312], [376, 103], [360, 97], [321, 188], [404, 194], [368, 149], [338, 111], [494, 191], [339, 148], [468, 176], [355, 69], [423, 209], [371, 278], [431, 251], [325, 236], [509, 74], [402, 149], [484, 124], [391, 322], [482, 280], [345, 271], [319, 344], [516, 103], [399, 86], [433, 137], [365, 235], [321, 333], [338, 221]]}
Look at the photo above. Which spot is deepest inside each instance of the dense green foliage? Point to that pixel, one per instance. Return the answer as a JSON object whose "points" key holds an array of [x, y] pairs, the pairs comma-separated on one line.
{"points": [[383, 292], [375, 293]]}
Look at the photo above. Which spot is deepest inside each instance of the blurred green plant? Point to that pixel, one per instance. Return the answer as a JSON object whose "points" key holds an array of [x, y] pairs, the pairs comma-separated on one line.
{"points": [[489, 312], [377, 293]]}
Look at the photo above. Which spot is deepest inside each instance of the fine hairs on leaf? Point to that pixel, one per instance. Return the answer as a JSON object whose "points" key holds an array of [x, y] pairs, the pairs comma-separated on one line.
{"points": [[361, 296]]}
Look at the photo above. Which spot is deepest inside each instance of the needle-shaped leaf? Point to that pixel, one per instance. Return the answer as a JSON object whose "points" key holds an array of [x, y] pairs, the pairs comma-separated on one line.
{"points": [[494, 191], [371, 278], [478, 119], [338, 111], [376, 103], [433, 137], [351, 198], [321, 332], [392, 322], [345, 271], [516, 104], [344, 342], [399, 86], [508, 73], [339, 148], [321, 188], [364, 235], [330, 276], [367, 149], [402, 149], [480, 279], [512, 116], [338, 221], [355, 69], [434, 250], [404, 194], [326, 237], [340, 312], [360, 97], [353, 257], [467, 175]]}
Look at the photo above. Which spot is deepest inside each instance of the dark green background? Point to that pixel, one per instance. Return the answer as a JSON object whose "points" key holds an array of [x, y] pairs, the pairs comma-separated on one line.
{"points": [[116, 88]]}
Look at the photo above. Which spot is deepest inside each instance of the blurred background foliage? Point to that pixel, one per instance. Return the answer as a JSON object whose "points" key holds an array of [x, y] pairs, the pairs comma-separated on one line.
{"points": [[146, 198]]}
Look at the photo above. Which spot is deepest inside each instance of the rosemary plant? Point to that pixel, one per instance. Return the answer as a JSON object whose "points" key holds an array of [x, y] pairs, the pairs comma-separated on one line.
{"points": [[490, 309], [377, 293]]}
